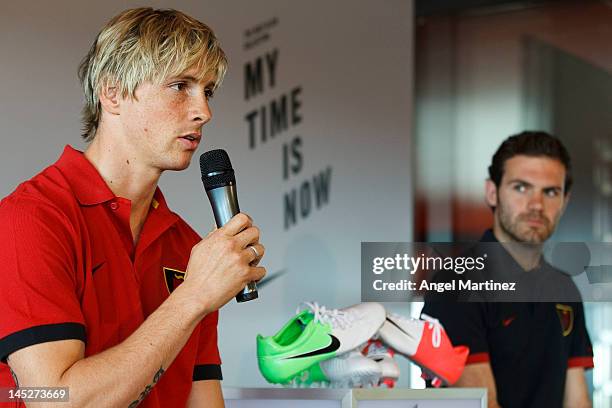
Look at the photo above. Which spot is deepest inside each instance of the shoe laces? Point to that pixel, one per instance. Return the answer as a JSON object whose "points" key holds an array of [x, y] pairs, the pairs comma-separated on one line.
{"points": [[434, 324], [336, 318]]}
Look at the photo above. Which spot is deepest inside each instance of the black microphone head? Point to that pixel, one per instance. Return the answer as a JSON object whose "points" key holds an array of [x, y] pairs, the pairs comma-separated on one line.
{"points": [[216, 169]]}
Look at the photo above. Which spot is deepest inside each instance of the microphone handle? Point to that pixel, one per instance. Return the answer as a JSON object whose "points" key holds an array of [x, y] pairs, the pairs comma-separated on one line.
{"points": [[224, 202]]}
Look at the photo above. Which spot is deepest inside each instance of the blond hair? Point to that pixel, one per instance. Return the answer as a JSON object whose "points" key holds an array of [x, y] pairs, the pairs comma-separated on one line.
{"points": [[146, 45]]}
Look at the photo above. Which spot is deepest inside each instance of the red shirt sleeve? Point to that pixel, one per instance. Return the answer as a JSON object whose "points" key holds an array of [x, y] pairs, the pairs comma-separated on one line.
{"points": [[208, 361], [38, 288]]}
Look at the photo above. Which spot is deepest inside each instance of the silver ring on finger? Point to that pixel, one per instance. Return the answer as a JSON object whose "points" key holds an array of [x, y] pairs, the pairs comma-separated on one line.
{"points": [[254, 251]]}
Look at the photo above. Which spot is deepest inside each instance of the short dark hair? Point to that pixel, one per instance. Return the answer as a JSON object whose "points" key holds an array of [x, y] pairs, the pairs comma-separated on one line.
{"points": [[530, 143]]}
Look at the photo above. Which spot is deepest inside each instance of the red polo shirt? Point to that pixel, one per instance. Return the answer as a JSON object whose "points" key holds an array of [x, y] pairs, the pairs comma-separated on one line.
{"points": [[70, 270]]}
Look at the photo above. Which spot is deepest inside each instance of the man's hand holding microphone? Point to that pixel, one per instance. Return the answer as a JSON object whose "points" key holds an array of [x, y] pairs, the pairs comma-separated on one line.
{"points": [[224, 262]]}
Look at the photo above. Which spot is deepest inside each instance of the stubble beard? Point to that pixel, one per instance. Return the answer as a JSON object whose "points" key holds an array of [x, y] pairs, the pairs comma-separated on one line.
{"points": [[513, 226]]}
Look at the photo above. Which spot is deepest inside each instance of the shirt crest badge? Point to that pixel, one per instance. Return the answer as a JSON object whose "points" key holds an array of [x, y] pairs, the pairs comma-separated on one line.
{"points": [[173, 278], [566, 318]]}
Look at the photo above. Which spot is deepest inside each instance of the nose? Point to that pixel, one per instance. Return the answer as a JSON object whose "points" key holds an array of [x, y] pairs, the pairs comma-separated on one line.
{"points": [[536, 201], [200, 110]]}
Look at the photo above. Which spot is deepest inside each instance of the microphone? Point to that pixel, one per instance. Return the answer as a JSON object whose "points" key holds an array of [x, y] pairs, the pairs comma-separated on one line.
{"points": [[220, 185]]}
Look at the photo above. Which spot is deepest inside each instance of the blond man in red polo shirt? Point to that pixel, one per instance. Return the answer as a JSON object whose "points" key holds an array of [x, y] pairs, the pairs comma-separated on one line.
{"points": [[104, 290]]}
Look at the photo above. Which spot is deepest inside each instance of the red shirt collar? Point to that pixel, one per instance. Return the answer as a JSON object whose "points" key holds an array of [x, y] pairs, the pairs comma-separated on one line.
{"points": [[88, 185]]}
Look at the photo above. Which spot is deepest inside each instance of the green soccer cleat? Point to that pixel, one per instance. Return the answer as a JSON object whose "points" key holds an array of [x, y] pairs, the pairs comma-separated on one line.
{"points": [[316, 334], [301, 343]]}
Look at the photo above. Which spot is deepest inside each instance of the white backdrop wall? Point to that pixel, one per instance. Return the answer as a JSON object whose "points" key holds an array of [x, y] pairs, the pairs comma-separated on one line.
{"points": [[352, 63]]}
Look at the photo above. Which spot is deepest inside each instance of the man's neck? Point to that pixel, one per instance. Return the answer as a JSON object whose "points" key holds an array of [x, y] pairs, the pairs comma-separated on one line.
{"points": [[126, 178], [527, 255]]}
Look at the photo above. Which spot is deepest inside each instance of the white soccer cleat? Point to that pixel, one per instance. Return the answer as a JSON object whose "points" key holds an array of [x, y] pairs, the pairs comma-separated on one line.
{"points": [[353, 326], [351, 370]]}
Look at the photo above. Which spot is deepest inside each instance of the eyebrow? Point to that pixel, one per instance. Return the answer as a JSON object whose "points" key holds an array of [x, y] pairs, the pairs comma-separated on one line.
{"points": [[193, 79]]}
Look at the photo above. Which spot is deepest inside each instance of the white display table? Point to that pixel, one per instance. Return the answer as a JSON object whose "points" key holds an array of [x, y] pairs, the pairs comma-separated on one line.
{"points": [[354, 398]]}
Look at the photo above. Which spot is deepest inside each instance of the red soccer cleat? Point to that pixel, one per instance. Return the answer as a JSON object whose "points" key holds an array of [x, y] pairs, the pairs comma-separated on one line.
{"points": [[426, 344]]}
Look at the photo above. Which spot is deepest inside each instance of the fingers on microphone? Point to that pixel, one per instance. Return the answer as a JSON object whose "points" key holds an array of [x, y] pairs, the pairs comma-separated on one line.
{"points": [[236, 224], [249, 236], [257, 273]]}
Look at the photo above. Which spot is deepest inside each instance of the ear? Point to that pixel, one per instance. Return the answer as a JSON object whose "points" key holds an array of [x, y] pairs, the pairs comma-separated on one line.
{"points": [[490, 193], [110, 99]]}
